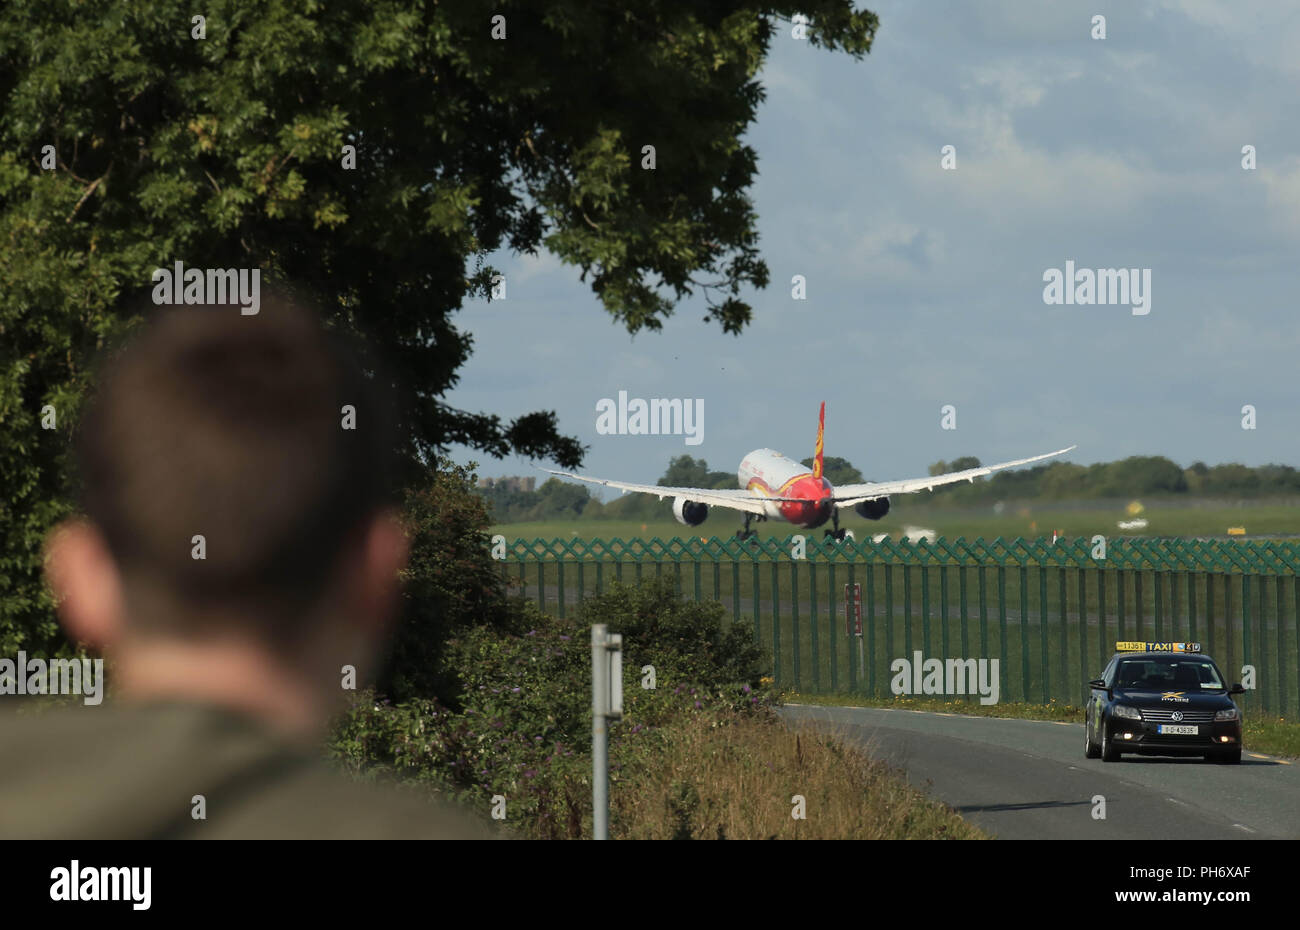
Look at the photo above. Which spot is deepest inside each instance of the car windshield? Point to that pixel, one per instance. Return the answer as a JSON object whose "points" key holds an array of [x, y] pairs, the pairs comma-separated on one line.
{"points": [[1168, 674]]}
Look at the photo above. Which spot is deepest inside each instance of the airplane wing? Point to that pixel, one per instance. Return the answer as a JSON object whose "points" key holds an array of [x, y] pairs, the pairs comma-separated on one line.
{"points": [[733, 498], [850, 494]]}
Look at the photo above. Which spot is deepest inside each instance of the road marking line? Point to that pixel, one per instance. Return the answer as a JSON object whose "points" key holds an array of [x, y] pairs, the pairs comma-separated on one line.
{"points": [[1242, 826], [1255, 755]]}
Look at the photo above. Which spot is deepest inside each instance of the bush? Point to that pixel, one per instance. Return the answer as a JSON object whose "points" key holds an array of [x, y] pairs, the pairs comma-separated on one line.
{"points": [[450, 585], [694, 640], [521, 722]]}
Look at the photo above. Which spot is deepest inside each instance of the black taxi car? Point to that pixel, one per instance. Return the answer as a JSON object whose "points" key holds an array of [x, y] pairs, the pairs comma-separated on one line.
{"points": [[1162, 699]]}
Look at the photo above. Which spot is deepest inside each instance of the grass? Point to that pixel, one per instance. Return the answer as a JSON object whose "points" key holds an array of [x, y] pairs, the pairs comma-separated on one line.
{"points": [[734, 777], [1275, 736], [1067, 713]]}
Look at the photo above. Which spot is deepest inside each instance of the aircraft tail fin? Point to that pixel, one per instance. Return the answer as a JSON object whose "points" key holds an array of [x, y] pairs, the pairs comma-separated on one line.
{"points": [[817, 455]]}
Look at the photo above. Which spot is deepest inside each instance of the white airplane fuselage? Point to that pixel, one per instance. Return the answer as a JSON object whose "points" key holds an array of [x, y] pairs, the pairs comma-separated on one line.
{"points": [[768, 473]]}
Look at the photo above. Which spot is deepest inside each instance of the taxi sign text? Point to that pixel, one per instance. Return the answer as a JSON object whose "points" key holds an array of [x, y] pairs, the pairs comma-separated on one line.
{"points": [[1157, 647]]}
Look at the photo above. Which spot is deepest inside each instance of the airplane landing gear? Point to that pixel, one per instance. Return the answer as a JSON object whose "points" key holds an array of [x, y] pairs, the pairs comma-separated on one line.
{"points": [[747, 533], [836, 534]]}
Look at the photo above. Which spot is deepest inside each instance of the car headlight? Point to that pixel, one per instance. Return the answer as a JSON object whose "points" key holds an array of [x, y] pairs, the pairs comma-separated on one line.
{"points": [[1132, 713], [1229, 714]]}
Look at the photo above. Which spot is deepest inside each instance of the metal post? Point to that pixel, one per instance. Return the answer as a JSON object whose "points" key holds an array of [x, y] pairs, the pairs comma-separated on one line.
{"points": [[606, 703], [599, 732]]}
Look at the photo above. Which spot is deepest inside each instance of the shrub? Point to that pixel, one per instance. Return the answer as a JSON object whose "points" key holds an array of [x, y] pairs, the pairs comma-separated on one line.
{"points": [[450, 585], [694, 640], [521, 721]]}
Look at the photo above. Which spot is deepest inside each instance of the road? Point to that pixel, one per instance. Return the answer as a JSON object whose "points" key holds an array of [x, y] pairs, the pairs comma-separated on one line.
{"points": [[1028, 779]]}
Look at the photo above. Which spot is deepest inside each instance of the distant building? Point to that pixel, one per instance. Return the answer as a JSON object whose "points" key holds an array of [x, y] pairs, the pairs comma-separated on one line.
{"points": [[511, 483]]}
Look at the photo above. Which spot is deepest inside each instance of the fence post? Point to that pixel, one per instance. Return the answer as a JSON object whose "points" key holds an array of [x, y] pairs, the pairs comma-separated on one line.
{"points": [[1024, 632], [925, 610], [907, 610], [848, 638], [870, 571], [794, 622], [814, 622], [831, 629], [1002, 621], [776, 622]]}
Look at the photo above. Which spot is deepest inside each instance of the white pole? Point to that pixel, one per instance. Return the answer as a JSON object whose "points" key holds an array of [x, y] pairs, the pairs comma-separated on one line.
{"points": [[599, 732]]}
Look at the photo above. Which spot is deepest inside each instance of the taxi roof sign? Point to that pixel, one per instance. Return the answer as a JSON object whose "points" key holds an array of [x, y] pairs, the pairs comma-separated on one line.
{"points": [[1157, 647]]}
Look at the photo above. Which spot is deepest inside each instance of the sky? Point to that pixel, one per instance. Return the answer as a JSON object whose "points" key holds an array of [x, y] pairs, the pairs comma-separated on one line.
{"points": [[925, 285]]}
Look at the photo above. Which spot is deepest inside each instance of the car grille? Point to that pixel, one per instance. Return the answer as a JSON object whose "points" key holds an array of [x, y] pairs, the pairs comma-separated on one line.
{"points": [[1189, 716]]}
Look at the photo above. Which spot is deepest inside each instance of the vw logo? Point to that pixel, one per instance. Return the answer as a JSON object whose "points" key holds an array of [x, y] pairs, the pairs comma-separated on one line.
{"points": [[1176, 716]]}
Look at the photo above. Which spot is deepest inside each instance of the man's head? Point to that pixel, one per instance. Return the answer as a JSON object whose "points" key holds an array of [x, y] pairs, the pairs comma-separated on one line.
{"points": [[236, 482]]}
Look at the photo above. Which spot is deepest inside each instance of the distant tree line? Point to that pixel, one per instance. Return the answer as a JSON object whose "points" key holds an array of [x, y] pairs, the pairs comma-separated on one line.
{"points": [[1136, 476]]}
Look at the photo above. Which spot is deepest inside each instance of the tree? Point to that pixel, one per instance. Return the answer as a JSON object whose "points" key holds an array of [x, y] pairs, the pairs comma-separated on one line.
{"points": [[837, 470], [686, 472], [373, 155]]}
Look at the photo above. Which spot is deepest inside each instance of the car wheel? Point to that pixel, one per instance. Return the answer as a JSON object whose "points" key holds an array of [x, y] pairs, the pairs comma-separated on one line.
{"points": [[1090, 750], [1109, 751]]}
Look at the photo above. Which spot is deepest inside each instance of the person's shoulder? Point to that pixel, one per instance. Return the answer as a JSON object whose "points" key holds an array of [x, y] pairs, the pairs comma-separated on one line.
{"points": [[316, 802], [194, 771]]}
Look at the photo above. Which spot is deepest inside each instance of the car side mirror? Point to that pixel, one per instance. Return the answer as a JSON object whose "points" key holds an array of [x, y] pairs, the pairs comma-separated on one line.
{"points": [[1236, 688], [1098, 683]]}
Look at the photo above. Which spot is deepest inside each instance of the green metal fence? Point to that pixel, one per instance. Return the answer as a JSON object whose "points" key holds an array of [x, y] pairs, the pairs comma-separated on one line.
{"points": [[1049, 612]]}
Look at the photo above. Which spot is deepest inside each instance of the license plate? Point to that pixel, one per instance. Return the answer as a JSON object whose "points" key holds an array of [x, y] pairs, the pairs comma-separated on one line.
{"points": [[1174, 729]]}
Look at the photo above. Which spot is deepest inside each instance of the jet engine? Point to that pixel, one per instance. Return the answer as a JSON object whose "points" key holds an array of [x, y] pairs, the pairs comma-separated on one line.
{"points": [[873, 509], [689, 512]]}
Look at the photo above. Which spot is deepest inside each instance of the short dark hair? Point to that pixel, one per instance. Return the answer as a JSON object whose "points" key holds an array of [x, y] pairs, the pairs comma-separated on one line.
{"points": [[229, 426]]}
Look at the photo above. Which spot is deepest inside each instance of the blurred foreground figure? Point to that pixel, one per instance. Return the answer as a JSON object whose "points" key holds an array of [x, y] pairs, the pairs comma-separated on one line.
{"points": [[238, 551]]}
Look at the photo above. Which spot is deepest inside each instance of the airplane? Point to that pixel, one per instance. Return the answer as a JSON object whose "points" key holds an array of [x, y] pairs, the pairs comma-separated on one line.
{"points": [[775, 487]]}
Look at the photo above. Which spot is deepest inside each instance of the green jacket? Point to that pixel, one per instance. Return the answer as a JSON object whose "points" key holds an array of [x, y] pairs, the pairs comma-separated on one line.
{"points": [[133, 771]]}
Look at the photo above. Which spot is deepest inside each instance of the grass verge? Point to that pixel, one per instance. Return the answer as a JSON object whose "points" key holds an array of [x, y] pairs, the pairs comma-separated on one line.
{"points": [[735, 776]]}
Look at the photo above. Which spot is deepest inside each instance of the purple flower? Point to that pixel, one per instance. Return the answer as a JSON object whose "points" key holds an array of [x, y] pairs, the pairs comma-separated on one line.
{"points": [[745, 689], [566, 638], [698, 705], [514, 690]]}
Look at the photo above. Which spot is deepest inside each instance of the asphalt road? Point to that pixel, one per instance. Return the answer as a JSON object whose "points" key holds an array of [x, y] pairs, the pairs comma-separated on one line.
{"points": [[1028, 779]]}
